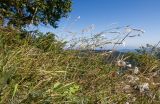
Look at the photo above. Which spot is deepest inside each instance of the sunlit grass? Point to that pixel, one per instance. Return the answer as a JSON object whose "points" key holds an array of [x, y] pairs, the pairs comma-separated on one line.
{"points": [[39, 71]]}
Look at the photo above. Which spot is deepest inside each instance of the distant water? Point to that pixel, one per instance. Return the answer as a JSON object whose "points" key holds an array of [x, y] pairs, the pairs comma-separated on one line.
{"points": [[116, 51], [127, 50]]}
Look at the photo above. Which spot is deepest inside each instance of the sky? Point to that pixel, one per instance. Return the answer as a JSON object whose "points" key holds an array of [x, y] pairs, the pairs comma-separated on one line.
{"points": [[141, 14]]}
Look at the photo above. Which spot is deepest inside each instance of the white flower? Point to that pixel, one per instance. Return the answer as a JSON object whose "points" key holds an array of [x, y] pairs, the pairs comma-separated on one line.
{"points": [[129, 65], [134, 99], [143, 87], [136, 70], [127, 103], [133, 79], [136, 79]]}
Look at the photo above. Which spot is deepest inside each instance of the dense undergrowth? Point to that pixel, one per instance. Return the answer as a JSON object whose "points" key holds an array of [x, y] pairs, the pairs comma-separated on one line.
{"points": [[35, 69]]}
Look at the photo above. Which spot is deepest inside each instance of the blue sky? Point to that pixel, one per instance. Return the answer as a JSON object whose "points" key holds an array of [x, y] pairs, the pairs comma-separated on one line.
{"points": [[143, 14]]}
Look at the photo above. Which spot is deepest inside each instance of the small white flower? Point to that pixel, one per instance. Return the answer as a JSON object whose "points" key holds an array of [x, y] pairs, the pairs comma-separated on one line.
{"points": [[133, 79], [143, 87], [127, 103], [136, 70], [136, 79], [129, 65]]}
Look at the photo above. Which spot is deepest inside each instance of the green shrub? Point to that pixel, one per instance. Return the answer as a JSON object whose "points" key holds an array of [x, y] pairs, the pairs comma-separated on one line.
{"points": [[10, 39], [146, 62]]}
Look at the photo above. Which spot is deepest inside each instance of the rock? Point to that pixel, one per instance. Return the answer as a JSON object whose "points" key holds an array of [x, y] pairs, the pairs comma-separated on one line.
{"points": [[143, 87], [132, 79], [134, 70], [156, 74], [127, 88], [121, 63]]}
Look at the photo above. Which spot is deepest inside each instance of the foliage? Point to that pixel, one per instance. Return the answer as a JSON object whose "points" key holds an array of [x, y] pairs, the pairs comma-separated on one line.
{"points": [[146, 62], [20, 13], [48, 42], [13, 38], [67, 90]]}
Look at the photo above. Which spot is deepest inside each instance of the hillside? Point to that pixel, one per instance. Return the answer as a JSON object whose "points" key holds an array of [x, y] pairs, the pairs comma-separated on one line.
{"points": [[37, 70]]}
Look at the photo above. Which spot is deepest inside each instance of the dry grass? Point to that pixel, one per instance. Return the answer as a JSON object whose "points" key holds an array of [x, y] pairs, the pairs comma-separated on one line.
{"points": [[30, 75]]}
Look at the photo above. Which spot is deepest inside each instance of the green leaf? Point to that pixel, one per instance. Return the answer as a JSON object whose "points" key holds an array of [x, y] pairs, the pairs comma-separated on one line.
{"points": [[15, 90], [56, 85]]}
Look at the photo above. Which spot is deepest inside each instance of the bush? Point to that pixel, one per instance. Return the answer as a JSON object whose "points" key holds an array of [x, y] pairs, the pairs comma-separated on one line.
{"points": [[11, 39], [146, 62]]}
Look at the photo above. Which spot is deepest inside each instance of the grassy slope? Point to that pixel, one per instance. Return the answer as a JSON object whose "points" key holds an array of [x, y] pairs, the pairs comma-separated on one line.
{"points": [[30, 75]]}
